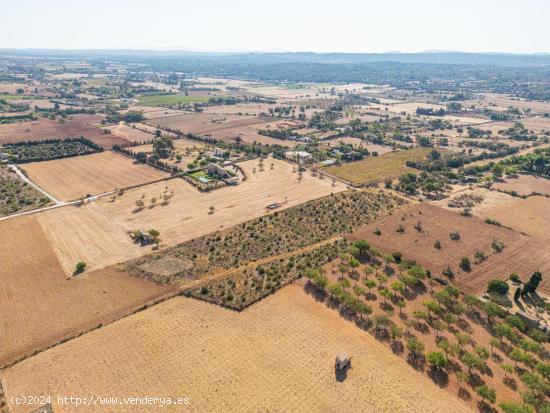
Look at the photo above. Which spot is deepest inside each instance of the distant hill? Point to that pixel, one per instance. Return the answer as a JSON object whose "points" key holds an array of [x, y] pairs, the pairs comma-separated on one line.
{"points": [[485, 59]]}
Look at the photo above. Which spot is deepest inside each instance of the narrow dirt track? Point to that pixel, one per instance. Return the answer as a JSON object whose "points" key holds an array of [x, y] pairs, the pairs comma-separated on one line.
{"points": [[226, 273]]}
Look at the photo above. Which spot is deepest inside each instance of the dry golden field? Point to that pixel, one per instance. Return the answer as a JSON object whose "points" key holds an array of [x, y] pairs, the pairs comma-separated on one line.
{"points": [[129, 133], [373, 169], [232, 362], [531, 215], [187, 215], [39, 306], [87, 233], [525, 185], [70, 178]]}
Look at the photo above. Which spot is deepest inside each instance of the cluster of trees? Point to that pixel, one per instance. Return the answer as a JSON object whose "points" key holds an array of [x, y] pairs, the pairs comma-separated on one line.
{"points": [[446, 310], [33, 151]]}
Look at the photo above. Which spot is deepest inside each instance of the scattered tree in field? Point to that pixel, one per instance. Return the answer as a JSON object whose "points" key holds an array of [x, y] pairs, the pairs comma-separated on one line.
{"points": [[465, 264], [497, 287], [513, 407], [507, 369], [462, 340], [486, 393], [450, 349], [80, 267], [432, 307], [533, 283], [415, 347], [370, 284], [438, 326], [211, 209], [396, 333], [397, 287], [140, 204], [472, 361], [544, 369], [401, 304], [437, 360]]}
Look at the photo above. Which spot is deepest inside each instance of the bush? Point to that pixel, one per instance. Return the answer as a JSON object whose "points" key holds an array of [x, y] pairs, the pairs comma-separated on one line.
{"points": [[497, 287], [515, 278], [465, 264], [80, 267], [455, 236]]}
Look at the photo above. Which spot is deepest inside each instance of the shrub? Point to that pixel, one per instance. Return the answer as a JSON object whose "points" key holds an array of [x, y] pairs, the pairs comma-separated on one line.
{"points": [[515, 278], [455, 236], [80, 267], [465, 264], [497, 287], [437, 360], [397, 257], [486, 393]]}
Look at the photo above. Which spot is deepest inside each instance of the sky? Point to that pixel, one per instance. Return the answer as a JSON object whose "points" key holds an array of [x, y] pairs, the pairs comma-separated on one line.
{"points": [[514, 26]]}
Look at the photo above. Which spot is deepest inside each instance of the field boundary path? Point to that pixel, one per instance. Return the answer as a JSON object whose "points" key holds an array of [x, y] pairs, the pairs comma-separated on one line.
{"points": [[253, 264], [176, 291], [31, 183]]}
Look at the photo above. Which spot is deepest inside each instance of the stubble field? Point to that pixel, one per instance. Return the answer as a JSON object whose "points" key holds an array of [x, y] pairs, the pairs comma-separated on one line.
{"points": [[187, 214], [525, 185], [201, 346], [70, 178], [40, 306]]}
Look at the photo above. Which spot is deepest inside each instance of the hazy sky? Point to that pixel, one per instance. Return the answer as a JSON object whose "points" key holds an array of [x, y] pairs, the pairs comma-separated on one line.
{"points": [[295, 25]]}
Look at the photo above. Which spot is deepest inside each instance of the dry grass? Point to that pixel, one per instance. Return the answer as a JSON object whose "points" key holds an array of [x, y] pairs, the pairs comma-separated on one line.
{"points": [[71, 178], [40, 306], [531, 215], [373, 169], [188, 348], [187, 215], [87, 233], [129, 133], [525, 185]]}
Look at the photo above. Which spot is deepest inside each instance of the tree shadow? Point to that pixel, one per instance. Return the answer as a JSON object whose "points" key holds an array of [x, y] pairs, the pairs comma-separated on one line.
{"points": [[464, 325], [318, 295], [416, 362], [397, 347], [475, 380], [496, 357], [387, 307], [341, 374], [422, 328], [510, 382], [485, 407], [464, 394], [439, 377]]}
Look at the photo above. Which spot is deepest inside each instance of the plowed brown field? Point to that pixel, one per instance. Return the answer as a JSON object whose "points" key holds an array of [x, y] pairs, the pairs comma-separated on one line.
{"points": [[75, 127], [436, 224]]}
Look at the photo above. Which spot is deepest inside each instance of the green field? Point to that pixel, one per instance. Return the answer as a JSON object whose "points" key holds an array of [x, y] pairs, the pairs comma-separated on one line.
{"points": [[18, 97], [165, 100], [379, 168]]}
